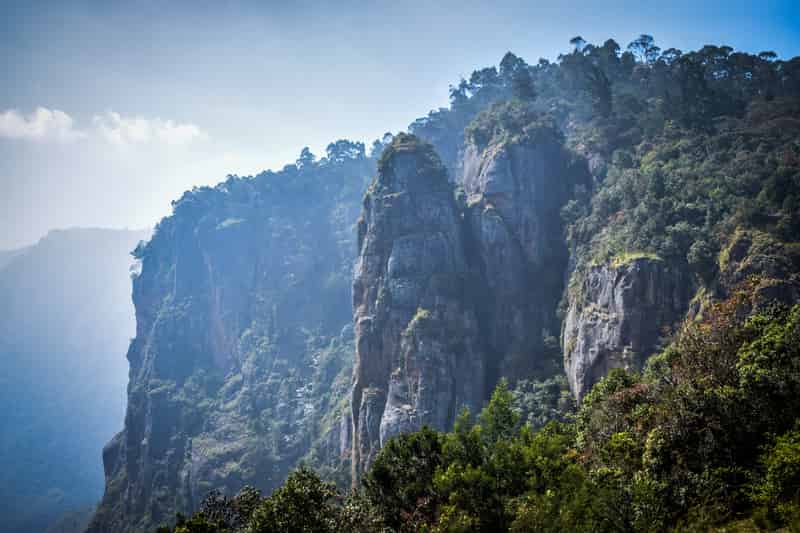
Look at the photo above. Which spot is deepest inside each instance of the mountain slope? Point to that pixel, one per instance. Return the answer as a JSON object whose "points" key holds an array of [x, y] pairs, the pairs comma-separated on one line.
{"points": [[556, 223], [242, 353]]}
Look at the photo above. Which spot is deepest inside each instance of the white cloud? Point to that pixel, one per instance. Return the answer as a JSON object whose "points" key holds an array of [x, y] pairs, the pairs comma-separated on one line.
{"points": [[51, 124], [42, 124], [120, 130]]}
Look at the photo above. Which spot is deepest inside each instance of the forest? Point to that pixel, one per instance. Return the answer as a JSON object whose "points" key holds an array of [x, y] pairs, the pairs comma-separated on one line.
{"points": [[689, 160]]}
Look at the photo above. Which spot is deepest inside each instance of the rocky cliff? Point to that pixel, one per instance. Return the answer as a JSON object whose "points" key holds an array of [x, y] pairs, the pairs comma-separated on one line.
{"points": [[418, 358], [617, 317], [453, 291], [622, 311], [515, 187], [541, 207], [242, 351], [672, 225]]}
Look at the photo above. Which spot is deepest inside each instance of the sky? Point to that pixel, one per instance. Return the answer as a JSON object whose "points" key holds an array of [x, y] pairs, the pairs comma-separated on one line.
{"points": [[109, 110]]}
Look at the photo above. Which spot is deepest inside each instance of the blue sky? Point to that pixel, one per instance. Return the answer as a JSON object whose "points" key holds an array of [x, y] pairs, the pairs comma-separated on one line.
{"points": [[140, 100]]}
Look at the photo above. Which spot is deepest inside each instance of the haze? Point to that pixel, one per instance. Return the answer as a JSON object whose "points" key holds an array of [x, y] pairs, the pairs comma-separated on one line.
{"points": [[108, 112]]}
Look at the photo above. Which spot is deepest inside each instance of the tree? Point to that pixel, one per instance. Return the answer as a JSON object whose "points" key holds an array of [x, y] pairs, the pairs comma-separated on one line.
{"points": [[607, 57], [378, 145], [485, 83], [198, 523], [599, 88], [511, 64], [701, 259], [767, 56], [230, 513], [670, 55], [695, 104], [400, 481], [522, 86], [343, 150], [611, 48], [306, 158], [779, 489], [498, 420], [644, 48], [303, 503], [516, 74], [578, 43], [459, 95]]}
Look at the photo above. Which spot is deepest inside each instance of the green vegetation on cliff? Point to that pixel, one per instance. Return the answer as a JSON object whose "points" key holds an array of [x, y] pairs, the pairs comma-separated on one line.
{"points": [[707, 438], [244, 351], [676, 174]]}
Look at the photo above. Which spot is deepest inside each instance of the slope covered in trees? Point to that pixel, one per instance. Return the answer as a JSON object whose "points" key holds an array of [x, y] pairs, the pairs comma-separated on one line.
{"points": [[705, 438], [632, 203]]}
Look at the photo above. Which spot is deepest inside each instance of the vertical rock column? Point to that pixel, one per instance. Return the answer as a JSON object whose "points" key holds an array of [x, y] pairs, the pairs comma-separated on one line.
{"points": [[417, 355]]}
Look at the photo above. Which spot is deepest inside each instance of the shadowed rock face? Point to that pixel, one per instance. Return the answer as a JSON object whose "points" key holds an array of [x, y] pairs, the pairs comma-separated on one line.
{"points": [[514, 193], [615, 318], [417, 355], [242, 350], [524, 183], [448, 298]]}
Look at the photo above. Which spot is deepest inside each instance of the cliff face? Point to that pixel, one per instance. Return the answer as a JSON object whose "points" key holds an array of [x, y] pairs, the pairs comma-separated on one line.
{"points": [[514, 193], [241, 353], [417, 353], [616, 316], [619, 312], [451, 295], [242, 362]]}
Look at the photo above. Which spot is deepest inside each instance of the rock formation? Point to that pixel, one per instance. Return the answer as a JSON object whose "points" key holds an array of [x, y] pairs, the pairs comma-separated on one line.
{"points": [[514, 192], [243, 360], [418, 358], [616, 316], [448, 297], [241, 356]]}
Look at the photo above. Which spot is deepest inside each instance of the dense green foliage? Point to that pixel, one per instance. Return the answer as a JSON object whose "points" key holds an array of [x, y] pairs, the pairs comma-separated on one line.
{"points": [[694, 161], [706, 438], [684, 147], [679, 192]]}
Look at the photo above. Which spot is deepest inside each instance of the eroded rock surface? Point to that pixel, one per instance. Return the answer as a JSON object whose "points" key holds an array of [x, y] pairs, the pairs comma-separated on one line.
{"points": [[616, 316], [450, 296], [417, 354], [241, 364], [514, 193]]}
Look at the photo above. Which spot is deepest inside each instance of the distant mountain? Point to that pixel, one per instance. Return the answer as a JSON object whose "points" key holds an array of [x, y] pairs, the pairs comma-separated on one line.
{"points": [[72, 521], [65, 318], [7, 255]]}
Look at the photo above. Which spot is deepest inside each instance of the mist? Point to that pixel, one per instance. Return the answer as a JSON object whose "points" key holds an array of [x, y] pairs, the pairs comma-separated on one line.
{"points": [[65, 322], [258, 81], [247, 245]]}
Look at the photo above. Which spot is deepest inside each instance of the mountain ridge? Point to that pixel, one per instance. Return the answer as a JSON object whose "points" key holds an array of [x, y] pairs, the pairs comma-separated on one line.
{"points": [[557, 223]]}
